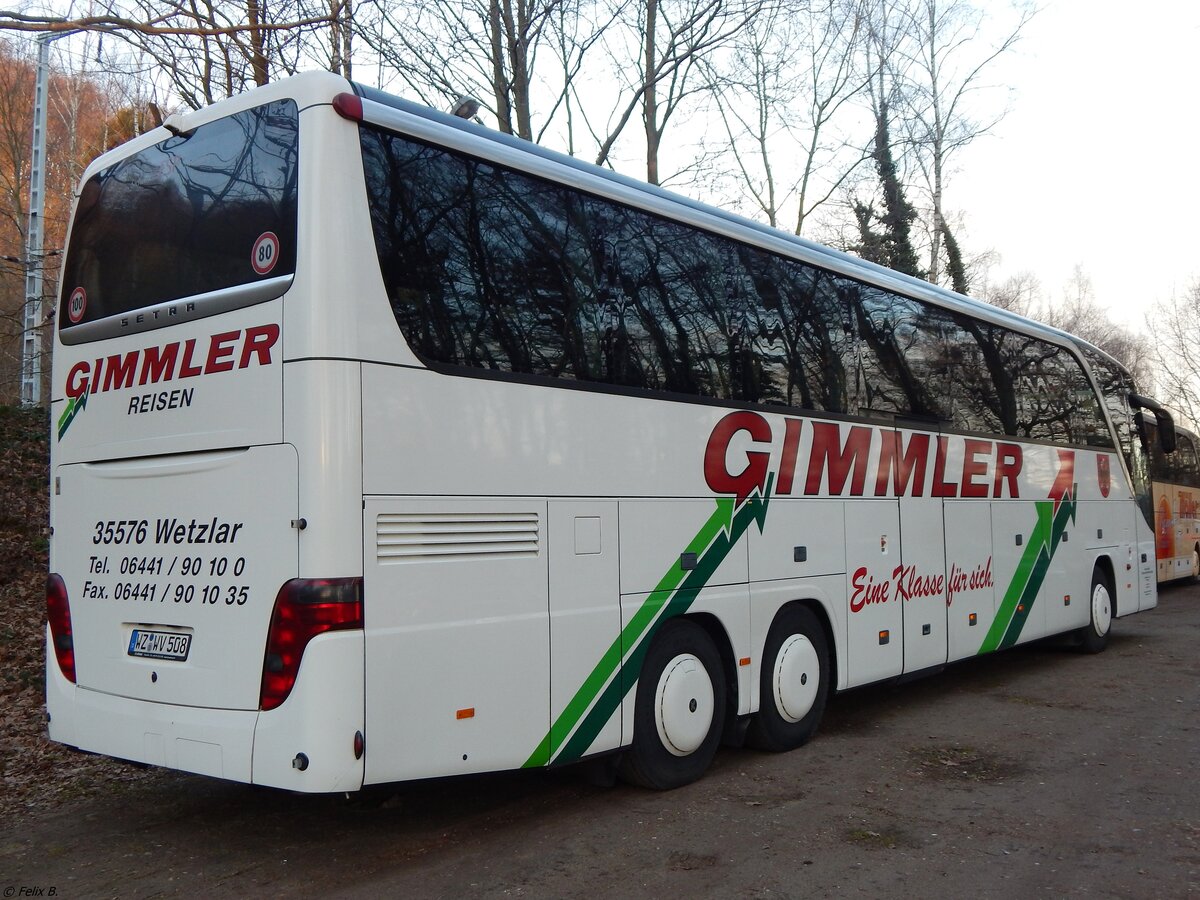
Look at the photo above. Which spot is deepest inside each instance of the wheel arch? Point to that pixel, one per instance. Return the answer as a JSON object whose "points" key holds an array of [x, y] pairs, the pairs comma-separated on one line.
{"points": [[818, 609], [1104, 565]]}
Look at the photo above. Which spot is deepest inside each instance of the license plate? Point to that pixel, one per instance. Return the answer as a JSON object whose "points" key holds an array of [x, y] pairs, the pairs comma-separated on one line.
{"points": [[159, 644]]}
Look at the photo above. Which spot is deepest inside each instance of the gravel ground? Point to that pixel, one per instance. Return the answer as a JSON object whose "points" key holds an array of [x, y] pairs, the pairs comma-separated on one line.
{"points": [[1037, 771]]}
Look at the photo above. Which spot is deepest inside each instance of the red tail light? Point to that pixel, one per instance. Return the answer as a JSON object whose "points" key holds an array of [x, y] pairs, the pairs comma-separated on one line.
{"points": [[304, 608], [58, 613], [348, 106]]}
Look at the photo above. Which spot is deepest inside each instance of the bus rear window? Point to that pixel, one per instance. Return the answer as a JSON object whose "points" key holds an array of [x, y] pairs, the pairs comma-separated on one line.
{"points": [[207, 210]]}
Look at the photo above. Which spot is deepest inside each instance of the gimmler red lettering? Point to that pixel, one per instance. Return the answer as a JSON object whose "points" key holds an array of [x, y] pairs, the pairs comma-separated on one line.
{"points": [[155, 365], [158, 364], [716, 467], [840, 457], [791, 446], [120, 371], [830, 456], [900, 468]]}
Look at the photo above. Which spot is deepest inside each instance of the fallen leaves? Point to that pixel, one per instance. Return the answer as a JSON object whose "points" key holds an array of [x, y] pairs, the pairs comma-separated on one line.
{"points": [[34, 771]]}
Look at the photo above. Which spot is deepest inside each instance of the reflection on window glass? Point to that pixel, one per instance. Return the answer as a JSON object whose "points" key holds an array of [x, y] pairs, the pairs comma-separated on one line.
{"points": [[1184, 459], [1115, 389], [187, 216], [492, 268], [800, 341], [906, 362], [1054, 400]]}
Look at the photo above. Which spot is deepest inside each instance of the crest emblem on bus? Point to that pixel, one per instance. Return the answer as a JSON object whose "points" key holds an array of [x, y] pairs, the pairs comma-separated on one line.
{"points": [[1104, 473]]}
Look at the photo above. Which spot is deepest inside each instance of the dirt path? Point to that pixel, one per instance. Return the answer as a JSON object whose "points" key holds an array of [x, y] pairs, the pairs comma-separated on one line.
{"points": [[1035, 772]]}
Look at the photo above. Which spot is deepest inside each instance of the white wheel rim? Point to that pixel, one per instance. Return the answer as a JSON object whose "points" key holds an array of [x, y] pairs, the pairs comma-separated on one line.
{"points": [[1101, 610], [1196, 563], [797, 678], [684, 705]]}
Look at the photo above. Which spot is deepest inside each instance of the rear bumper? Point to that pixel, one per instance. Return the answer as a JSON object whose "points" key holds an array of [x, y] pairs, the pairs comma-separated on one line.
{"points": [[215, 742], [319, 719]]}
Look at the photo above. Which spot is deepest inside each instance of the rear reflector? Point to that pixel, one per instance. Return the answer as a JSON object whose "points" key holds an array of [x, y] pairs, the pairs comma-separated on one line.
{"points": [[58, 613], [304, 608], [348, 106]]}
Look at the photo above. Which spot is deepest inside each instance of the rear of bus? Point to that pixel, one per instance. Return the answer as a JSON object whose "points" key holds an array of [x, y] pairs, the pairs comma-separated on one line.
{"points": [[206, 463]]}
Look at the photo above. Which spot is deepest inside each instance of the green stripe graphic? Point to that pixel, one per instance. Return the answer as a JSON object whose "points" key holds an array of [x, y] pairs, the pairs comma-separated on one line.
{"points": [[74, 407], [1031, 571], [602, 691], [616, 672]]}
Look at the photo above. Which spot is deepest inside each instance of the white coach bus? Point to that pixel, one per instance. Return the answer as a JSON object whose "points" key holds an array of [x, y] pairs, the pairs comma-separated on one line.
{"points": [[388, 447]]}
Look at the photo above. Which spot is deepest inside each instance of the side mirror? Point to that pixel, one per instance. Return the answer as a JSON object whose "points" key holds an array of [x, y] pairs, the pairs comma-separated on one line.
{"points": [[1166, 424]]}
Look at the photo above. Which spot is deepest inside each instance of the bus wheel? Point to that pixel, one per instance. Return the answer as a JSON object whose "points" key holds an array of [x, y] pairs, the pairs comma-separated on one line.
{"points": [[1094, 635], [793, 684], [679, 710], [1196, 563]]}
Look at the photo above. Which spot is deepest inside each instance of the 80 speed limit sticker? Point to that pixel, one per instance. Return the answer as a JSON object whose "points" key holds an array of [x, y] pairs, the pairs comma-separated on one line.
{"points": [[265, 252]]}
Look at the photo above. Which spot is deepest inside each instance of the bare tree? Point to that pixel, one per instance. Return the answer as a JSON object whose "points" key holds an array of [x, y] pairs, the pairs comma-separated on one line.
{"points": [[341, 32], [884, 59], [789, 74], [486, 49], [207, 49], [1077, 313], [884, 222], [1175, 352], [675, 36], [574, 33], [1020, 293], [947, 52], [78, 109]]}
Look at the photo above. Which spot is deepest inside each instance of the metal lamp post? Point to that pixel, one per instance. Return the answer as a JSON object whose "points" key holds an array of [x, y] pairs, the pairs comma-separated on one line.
{"points": [[31, 342]]}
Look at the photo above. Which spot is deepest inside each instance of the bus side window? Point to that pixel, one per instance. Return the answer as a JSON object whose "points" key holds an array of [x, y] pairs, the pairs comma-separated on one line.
{"points": [[1160, 467], [902, 371], [1055, 400], [1185, 462], [798, 334]]}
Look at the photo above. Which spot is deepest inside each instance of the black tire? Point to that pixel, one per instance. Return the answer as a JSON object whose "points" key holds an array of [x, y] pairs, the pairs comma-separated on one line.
{"points": [[1195, 579], [794, 682], [670, 747], [1093, 637]]}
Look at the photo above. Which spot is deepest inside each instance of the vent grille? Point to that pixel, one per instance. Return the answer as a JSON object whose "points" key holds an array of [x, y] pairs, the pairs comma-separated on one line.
{"points": [[432, 537]]}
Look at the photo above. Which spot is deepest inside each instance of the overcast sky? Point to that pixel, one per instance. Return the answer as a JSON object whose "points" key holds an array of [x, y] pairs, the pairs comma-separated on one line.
{"points": [[1098, 161]]}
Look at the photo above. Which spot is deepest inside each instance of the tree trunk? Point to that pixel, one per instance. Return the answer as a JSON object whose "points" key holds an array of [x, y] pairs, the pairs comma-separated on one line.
{"points": [[518, 56], [955, 265], [650, 95], [935, 244], [499, 81], [258, 56], [347, 35]]}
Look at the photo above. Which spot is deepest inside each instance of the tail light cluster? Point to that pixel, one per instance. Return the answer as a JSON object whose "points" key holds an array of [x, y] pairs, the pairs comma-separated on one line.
{"points": [[304, 608], [58, 613]]}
